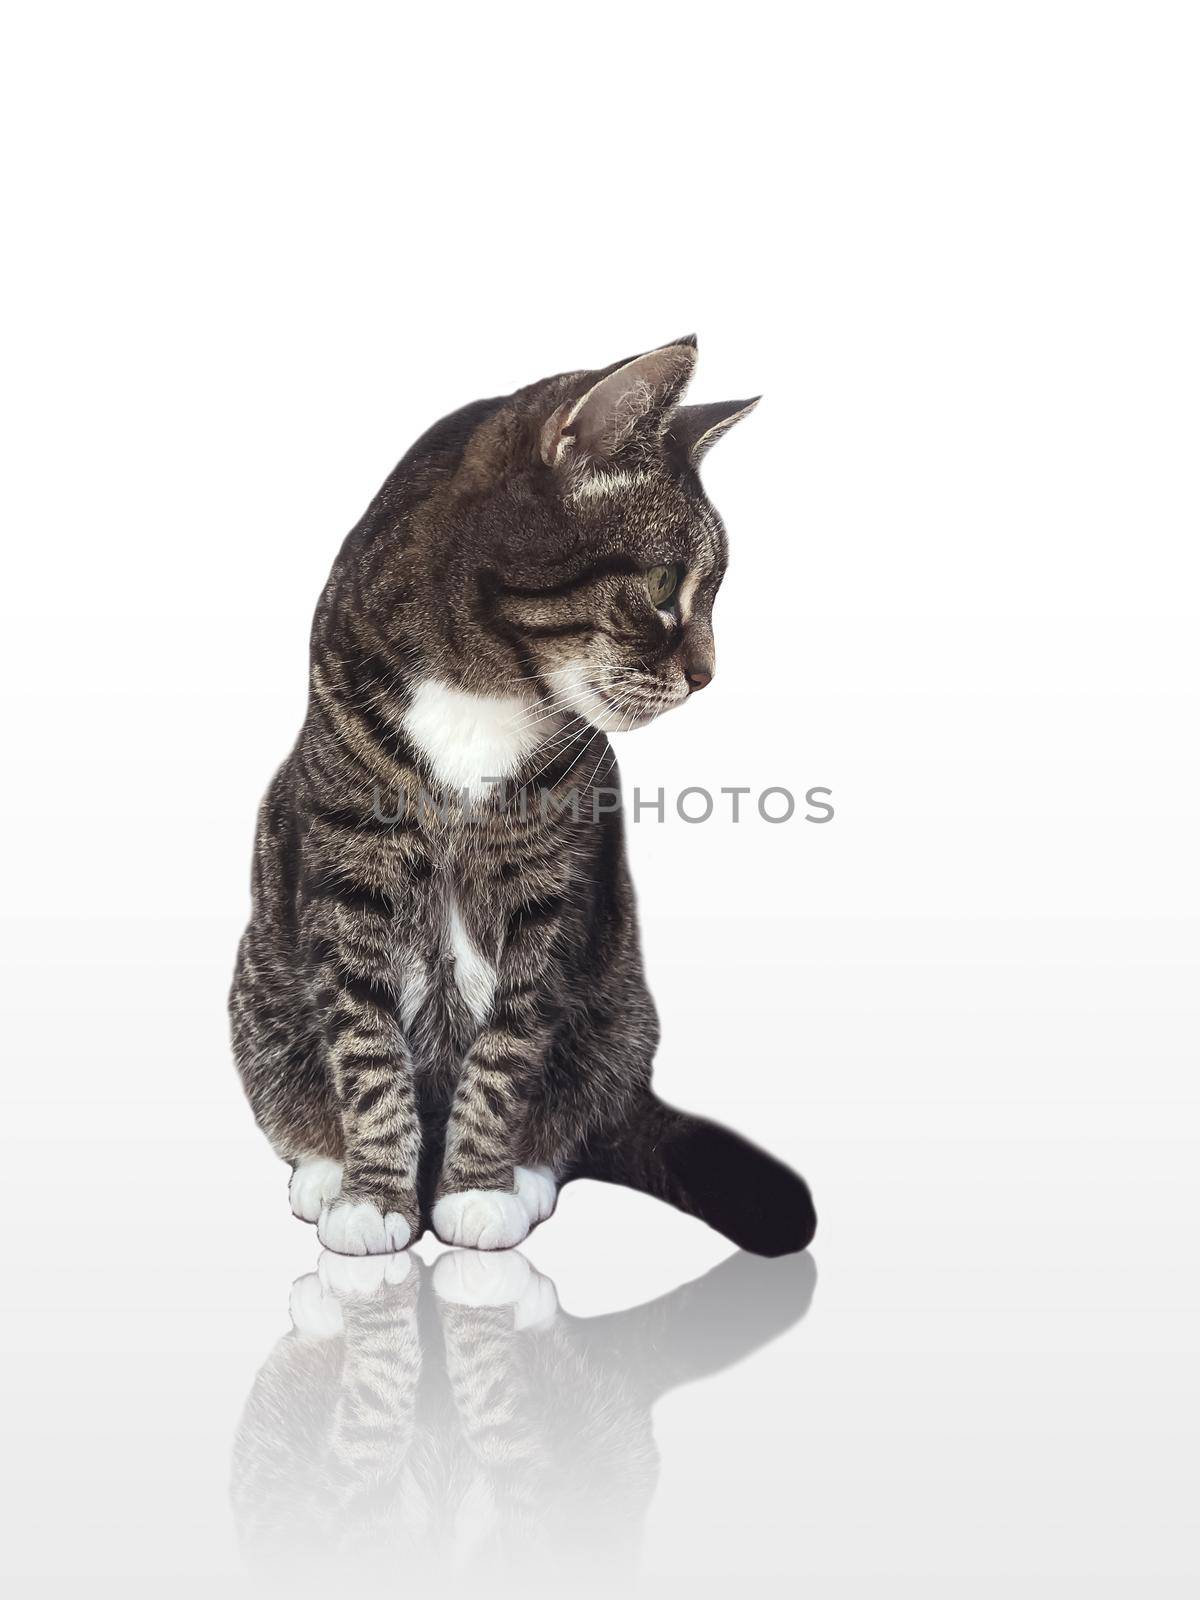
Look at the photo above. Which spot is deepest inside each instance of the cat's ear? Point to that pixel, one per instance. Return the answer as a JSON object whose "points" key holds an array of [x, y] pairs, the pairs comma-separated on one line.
{"points": [[695, 429], [632, 398]]}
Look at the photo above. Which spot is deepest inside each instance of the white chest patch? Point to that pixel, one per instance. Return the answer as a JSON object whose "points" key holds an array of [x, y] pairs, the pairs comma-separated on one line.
{"points": [[474, 974], [470, 738]]}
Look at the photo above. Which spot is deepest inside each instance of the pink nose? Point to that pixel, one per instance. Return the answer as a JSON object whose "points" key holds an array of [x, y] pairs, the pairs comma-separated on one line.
{"points": [[697, 678]]}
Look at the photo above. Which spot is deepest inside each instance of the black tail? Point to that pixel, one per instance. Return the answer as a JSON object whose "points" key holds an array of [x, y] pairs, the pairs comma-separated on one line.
{"points": [[714, 1174]]}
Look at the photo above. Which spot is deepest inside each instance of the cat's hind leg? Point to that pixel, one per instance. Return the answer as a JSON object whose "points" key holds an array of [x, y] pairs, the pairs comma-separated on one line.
{"points": [[316, 1183], [282, 1070]]}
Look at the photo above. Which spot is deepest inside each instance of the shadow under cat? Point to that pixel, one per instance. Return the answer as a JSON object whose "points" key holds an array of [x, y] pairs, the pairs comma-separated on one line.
{"points": [[452, 1422]]}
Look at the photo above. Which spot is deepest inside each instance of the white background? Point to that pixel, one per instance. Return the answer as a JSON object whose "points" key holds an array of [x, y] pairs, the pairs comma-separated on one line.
{"points": [[252, 252]]}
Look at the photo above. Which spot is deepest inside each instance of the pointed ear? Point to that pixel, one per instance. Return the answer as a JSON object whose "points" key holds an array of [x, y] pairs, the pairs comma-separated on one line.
{"points": [[697, 428], [629, 399]]}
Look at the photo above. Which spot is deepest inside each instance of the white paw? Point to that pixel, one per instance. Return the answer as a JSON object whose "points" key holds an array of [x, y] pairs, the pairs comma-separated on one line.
{"points": [[315, 1314], [358, 1228], [484, 1219], [316, 1182], [351, 1276], [537, 1192], [468, 1279]]}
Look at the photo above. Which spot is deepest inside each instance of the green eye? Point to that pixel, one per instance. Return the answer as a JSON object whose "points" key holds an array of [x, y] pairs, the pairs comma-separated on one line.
{"points": [[661, 582]]}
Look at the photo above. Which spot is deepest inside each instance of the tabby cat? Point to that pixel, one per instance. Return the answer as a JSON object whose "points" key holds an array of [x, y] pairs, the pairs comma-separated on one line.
{"points": [[439, 1011]]}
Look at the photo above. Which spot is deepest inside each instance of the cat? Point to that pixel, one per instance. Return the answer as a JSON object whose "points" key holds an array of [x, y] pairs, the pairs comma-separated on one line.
{"points": [[453, 1422], [439, 1011]]}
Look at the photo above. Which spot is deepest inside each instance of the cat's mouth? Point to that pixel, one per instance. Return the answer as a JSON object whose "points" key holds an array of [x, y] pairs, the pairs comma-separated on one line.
{"points": [[634, 711], [613, 700]]}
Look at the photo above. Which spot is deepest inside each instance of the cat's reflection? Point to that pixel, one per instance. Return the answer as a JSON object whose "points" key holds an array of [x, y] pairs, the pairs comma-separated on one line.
{"points": [[453, 1422]]}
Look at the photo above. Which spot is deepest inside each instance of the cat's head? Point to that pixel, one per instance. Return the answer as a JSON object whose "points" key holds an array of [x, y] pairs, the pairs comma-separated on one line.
{"points": [[594, 556]]}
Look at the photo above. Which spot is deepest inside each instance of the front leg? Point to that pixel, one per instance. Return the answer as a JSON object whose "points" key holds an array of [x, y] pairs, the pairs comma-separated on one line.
{"points": [[370, 1066], [478, 1203], [484, 1199]]}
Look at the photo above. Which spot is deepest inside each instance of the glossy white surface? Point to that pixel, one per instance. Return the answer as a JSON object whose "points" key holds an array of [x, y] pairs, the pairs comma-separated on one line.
{"points": [[995, 1383]]}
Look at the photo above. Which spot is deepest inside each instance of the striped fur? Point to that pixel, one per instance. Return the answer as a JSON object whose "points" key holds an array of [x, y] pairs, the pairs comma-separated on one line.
{"points": [[441, 980]]}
